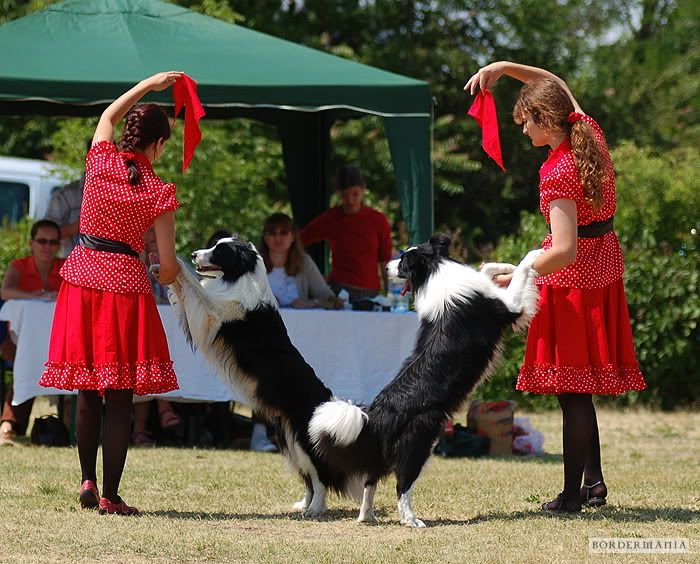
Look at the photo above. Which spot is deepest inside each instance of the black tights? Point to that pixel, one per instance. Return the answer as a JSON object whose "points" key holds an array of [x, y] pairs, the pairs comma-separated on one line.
{"points": [[116, 427], [581, 443]]}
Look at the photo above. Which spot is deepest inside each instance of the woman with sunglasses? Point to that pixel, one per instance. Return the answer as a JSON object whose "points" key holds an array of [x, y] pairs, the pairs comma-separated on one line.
{"points": [[32, 277], [294, 277]]}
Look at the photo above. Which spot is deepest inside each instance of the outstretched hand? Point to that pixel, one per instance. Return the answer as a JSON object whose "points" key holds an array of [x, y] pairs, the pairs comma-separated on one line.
{"points": [[484, 78], [163, 80]]}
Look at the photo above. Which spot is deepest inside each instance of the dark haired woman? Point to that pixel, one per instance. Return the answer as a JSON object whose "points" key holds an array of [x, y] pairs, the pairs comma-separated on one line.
{"points": [[34, 277], [293, 275], [359, 238], [580, 343], [107, 339]]}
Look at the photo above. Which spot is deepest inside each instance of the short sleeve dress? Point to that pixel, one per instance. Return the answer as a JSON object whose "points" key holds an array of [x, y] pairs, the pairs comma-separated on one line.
{"points": [[107, 332], [580, 341]]}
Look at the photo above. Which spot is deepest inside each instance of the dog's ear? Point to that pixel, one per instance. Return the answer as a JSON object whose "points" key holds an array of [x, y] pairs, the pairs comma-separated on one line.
{"points": [[441, 244]]}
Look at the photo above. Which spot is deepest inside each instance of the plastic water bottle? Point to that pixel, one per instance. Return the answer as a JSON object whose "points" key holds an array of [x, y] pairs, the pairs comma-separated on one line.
{"points": [[344, 295], [398, 303]]}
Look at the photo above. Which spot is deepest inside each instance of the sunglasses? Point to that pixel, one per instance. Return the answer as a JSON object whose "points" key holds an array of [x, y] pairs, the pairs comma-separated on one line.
{"points": [[52, 242], [279, 232]]}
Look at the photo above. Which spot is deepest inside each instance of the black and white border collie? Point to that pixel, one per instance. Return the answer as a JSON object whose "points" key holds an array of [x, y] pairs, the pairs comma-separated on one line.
{"points": [[231, 317], [463, 315]]}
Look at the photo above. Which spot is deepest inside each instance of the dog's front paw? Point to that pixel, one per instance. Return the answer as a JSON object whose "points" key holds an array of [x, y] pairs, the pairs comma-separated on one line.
{"points": [[367, 518], [492, 269], [413, 522], [531, 257], [301, 505], [311, 512]]}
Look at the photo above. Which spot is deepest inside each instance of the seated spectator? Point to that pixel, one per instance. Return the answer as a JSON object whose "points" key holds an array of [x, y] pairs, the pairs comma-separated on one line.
{"points": [[294, 277], [167, 418], [64, 209], [359, 239], [33, 277]]}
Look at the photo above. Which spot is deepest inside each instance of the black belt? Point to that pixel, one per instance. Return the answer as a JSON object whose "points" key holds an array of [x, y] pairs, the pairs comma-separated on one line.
{"points": [[106, 245], [592, 230]]}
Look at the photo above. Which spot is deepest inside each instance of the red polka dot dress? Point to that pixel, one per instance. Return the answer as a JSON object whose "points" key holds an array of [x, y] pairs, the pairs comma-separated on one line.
{"points": [[581, 339], [107, 333]]}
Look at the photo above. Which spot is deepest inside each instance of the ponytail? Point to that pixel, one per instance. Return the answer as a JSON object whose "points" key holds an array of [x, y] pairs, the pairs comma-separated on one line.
{"points": [[590, 161], [143, 125], [551, 108]]}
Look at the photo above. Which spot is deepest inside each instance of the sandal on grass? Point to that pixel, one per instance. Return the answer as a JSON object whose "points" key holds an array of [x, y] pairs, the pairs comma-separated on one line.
{"points": [[142, 439], [169, 419], [562, 505], [593, 495], [108, 507], [89, 495]]}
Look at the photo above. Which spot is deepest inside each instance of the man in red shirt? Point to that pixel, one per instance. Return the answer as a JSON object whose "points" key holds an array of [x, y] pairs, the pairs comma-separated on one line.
{"points": [[359, 238]]}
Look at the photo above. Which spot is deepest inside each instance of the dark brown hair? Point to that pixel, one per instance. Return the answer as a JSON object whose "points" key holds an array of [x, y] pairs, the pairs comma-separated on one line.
{"points": [[295, 257], [349, 176], [45, 223], [143, 124], [549, 105]]}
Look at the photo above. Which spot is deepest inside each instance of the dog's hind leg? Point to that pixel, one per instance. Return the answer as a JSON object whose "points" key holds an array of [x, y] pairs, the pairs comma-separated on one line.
{"points": [[318, 501], [304, 502], [412, 456], [367, 507], [406, 514]]}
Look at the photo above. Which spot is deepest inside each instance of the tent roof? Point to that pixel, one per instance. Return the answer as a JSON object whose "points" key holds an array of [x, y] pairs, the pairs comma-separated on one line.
{"points": [[74, 57]]}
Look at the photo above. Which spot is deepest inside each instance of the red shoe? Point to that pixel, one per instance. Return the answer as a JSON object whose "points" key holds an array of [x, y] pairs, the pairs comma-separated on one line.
{"points": [[89, 495], [121, 508]]}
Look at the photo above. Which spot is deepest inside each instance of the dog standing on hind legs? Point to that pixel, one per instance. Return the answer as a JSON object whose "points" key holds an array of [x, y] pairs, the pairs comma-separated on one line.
{"points": [[232, 318], [463, 315]]}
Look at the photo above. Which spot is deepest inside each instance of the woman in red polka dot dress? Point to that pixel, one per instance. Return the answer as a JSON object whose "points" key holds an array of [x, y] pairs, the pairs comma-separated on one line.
{"points": [[580, 343], [107, 339]]}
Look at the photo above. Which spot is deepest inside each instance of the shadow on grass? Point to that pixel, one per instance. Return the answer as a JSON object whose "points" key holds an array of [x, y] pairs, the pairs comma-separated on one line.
{"points": [[608, 513], [292, 515], [539, 459]]}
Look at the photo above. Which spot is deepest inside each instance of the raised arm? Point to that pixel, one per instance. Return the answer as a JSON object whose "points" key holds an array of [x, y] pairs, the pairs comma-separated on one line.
{"points": [[118, 109], [487, 76]]}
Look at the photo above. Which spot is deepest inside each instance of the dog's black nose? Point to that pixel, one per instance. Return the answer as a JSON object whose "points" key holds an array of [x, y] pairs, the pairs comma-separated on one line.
{"points": [[194, 255]]}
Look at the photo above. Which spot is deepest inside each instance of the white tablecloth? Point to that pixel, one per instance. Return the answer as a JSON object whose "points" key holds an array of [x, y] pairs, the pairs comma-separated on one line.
{"points": [[355, 353]]}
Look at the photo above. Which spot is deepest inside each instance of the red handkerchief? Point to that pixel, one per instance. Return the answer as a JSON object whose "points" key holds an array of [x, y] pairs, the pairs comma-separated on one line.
{"points": [[185, 95], [483, 110]]}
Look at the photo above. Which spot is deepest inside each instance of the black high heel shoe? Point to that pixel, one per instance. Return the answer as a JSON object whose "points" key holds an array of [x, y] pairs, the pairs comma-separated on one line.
{"points": [[593, 495], [561, 504]]}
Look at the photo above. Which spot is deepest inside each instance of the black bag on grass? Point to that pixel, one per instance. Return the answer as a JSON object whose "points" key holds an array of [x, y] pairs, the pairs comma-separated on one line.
{"points": [[49, 430]]}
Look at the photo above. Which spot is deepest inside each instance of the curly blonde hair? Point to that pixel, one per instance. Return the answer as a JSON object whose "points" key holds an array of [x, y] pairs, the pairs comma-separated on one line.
{"points": [[549, 105]]}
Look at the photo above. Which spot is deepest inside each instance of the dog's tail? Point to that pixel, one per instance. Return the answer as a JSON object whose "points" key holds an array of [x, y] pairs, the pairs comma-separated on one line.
{"points": [[337, 423]]}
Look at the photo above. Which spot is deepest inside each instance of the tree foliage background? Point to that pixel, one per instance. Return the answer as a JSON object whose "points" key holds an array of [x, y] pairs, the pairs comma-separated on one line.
{"points": [[632, 64]]}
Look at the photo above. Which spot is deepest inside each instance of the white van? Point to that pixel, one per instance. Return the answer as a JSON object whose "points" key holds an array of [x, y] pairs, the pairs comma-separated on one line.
{"points": [[26, 186]]}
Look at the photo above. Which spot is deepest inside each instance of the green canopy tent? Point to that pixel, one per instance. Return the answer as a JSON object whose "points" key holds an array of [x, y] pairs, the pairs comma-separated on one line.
{"points": [[75, 57]]}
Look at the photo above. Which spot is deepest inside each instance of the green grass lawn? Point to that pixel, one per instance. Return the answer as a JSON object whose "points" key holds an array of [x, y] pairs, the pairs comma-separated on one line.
{"points": [[235, 506]]}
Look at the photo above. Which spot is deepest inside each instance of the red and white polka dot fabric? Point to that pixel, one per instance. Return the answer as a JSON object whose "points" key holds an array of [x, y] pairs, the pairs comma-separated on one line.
{"points": [[598, 260], [581, 341], [114, 209], [107, 332]]}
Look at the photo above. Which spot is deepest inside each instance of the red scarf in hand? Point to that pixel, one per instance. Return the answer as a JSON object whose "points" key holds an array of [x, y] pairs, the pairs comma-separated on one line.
{"points": [[185, 95], [483, 110]]}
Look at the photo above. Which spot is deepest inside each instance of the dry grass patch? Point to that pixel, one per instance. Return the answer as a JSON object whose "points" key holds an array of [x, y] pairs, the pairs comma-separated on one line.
{"points": [[235, 506]]}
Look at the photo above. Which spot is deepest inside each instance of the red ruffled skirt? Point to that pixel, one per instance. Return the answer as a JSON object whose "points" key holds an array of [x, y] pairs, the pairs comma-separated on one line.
{"points": [[580, 341], [104, 340]]}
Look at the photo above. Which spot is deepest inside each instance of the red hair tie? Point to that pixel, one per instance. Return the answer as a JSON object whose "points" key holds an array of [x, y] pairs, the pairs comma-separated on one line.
{"points": [[574, 117]]}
